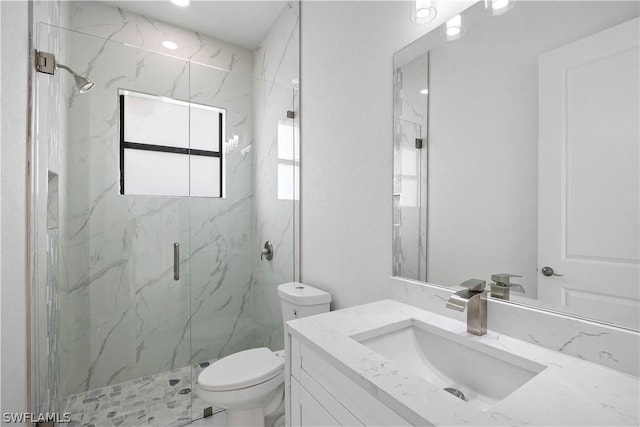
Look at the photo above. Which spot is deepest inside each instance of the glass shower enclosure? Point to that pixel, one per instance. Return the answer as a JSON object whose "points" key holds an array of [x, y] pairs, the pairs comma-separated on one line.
{"points": [[152, 197]]}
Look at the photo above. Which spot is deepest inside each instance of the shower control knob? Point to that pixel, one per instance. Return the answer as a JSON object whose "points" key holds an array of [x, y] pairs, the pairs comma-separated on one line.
{"points": [[267, 251], [548, 272]]}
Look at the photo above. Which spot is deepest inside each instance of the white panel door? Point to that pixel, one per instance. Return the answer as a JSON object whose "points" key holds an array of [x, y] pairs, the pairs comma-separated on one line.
{"points": [[588, 175]]}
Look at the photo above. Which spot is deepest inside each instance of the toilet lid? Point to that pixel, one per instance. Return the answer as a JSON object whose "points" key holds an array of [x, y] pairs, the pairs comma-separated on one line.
{"points": [[241, 370]]}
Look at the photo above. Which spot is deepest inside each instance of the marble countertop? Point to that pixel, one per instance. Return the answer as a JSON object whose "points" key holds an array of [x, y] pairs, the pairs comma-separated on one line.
{"points": [[568, 392]]}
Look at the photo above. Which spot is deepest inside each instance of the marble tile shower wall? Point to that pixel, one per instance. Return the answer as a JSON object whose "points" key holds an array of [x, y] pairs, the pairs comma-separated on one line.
{"points": [[116, 24], [410, 171], [45, 293], [276, 60], [123, 314]]}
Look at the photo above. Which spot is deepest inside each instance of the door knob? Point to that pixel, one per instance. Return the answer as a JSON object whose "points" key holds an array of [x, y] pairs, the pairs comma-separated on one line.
{"points": [[548, 272]]}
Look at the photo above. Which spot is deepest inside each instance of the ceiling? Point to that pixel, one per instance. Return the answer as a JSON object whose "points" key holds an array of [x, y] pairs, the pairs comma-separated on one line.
{"points": [[243, 23]]}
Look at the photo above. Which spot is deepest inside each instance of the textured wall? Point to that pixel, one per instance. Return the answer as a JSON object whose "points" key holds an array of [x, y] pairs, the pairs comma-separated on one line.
{"points": [[14, 46]]}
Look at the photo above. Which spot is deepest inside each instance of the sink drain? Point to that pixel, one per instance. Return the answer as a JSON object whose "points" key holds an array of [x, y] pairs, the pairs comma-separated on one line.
{"points": [[457, 393]]}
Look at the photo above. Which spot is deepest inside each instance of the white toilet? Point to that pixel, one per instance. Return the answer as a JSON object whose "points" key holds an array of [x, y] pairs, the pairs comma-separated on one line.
{"points": [[250, 384]]}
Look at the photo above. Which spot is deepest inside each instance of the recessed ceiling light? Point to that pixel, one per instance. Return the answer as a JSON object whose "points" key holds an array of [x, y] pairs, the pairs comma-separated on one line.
{"points": [[182, 3], [169, 45], [424, 92], [498, 7], [422, 11], [453, 28]]}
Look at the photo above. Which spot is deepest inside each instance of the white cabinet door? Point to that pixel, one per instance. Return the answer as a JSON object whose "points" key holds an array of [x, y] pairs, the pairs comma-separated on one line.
{"points": [[588, 175], [313, 413]]}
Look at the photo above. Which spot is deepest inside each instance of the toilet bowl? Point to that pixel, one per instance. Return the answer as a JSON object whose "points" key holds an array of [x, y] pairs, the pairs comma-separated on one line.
{"points": [[250, 384]]}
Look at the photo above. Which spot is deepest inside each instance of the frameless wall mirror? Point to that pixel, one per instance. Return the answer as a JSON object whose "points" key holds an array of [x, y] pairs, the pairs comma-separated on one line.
{"points": [[516, 150], [410, 165]]}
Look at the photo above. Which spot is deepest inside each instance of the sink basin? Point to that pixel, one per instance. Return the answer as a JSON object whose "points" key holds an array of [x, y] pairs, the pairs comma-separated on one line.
{"points": [[484, 375]]}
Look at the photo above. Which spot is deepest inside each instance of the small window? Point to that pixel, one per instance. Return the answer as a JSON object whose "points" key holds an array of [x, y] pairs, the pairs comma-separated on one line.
{"points": [[170, 147], [288, 160]]}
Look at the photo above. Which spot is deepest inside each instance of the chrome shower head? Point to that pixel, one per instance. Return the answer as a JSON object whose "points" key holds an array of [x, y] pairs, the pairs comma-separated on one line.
{"points": [[83, 83]]}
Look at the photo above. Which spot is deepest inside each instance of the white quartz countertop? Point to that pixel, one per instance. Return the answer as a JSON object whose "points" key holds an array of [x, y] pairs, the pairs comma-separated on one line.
{"points": [[568, 392]]}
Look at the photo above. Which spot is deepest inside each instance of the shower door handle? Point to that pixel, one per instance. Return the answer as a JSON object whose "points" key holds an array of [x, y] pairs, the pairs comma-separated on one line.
{"points": [[176, 261]]}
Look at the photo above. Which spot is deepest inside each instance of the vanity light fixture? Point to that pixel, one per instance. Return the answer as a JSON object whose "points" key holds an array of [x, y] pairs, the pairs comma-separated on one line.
{"points": [[181, 3], [169, 45], [498, 7], [453, 29], [422, 11]]}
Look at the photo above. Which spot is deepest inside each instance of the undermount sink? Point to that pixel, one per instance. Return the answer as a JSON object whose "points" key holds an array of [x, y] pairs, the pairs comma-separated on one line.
{"points": [[483, 374]]}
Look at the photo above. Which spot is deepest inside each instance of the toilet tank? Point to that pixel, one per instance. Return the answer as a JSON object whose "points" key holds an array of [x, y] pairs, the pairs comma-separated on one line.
{"points": [[300, 300]]}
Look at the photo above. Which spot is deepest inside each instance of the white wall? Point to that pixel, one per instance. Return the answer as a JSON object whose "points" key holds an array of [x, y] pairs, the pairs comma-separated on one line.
{"points": [[14, 50], [0, 221], [346, 153]]}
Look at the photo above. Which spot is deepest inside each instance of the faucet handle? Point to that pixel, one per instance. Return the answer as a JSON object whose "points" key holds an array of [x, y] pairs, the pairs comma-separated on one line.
{"points": [[474, 285], [503, 278], [500, 289]]}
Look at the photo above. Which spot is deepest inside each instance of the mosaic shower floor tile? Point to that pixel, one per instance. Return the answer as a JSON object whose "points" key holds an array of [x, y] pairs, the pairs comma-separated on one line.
{"points": [[166, 399]]}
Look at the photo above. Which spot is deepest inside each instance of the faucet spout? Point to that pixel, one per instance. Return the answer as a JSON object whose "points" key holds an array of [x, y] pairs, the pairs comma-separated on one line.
{"points": [[459, 300], [474, 300]]}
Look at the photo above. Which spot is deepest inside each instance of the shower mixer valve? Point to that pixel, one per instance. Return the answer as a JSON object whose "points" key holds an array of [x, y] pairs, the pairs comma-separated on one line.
{"points": [[267, 251]]}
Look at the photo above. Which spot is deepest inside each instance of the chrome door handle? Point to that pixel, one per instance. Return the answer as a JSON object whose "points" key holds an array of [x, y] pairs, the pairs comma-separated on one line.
{"points": [[176, 261], [548, 272]]}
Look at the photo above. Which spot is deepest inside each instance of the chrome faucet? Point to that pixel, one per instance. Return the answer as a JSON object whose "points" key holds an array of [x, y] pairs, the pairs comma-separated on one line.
{"points": [[474, 299], [501, 287]]}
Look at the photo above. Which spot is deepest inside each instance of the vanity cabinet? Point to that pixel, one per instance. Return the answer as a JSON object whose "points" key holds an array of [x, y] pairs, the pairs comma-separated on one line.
{"points": [[318, 394]]}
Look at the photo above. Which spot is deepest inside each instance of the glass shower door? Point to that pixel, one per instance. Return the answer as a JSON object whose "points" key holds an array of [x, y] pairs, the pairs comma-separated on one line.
{"points": [[234, 300], [115, 346]]}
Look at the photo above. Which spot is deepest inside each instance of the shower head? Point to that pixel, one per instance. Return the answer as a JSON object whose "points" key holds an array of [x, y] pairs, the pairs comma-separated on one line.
{"points": [[83, 83]]}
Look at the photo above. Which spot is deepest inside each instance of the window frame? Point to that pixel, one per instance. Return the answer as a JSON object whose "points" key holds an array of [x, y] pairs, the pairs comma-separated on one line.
{"points": [[124, 144]]}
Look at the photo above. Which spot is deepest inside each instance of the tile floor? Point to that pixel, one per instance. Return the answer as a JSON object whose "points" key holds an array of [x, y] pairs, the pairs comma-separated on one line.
{"points": [[154, 400]]}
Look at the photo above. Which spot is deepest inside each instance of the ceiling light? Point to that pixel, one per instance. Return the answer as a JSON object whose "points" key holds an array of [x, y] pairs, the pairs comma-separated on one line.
{"points": [[422, 11], [424, 92], [453, 29], [182, 3], [169, 45], [498, 7]]}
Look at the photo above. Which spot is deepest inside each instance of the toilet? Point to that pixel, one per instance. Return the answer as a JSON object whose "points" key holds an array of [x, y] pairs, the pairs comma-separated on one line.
{"points": [[250, 384]]}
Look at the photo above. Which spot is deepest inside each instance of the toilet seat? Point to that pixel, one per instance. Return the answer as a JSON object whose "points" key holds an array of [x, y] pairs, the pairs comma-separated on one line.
{"points": [[241, 370]]}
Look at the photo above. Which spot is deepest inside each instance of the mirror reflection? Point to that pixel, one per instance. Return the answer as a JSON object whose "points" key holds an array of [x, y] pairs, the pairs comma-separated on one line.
{"points": [[516, 150]]}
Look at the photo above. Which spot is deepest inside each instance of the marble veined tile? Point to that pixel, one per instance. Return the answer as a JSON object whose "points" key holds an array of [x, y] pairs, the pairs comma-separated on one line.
{"points": [[123, 315], [122, 26]]}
